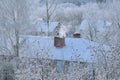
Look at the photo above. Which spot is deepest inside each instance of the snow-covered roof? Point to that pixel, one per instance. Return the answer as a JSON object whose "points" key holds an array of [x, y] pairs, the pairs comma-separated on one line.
{"points": [[83, 25], [42, 26], [74, 49], [100, 25]]}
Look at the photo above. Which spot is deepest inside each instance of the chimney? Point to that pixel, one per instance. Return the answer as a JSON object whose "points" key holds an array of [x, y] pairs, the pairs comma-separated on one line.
{"points": [[76, 35], [59, 42]]}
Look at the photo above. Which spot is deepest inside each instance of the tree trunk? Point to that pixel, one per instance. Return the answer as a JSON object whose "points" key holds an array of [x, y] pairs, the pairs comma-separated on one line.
{"points": [[17, 43], [48, 16]]}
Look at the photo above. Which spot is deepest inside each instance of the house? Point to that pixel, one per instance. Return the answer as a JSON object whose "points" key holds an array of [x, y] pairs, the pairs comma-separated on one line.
{"points": [[41, 28], [61, 50], [100, 25], [91, 30]]}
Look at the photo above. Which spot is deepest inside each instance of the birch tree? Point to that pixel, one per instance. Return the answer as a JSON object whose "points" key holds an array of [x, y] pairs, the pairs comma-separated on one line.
{"points": [[114, 17], [50, 9]]}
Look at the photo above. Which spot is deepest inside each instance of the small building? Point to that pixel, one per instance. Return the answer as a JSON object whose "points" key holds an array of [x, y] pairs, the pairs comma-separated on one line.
{"points": [[92, 30], [60, 50], [41, 28]]}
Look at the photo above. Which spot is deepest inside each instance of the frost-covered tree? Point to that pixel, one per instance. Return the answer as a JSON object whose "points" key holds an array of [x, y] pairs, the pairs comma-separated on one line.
{"points": [[47, 11], [112, 14], [91, 15], [70, 17], [107, 62], [14, 20]]}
